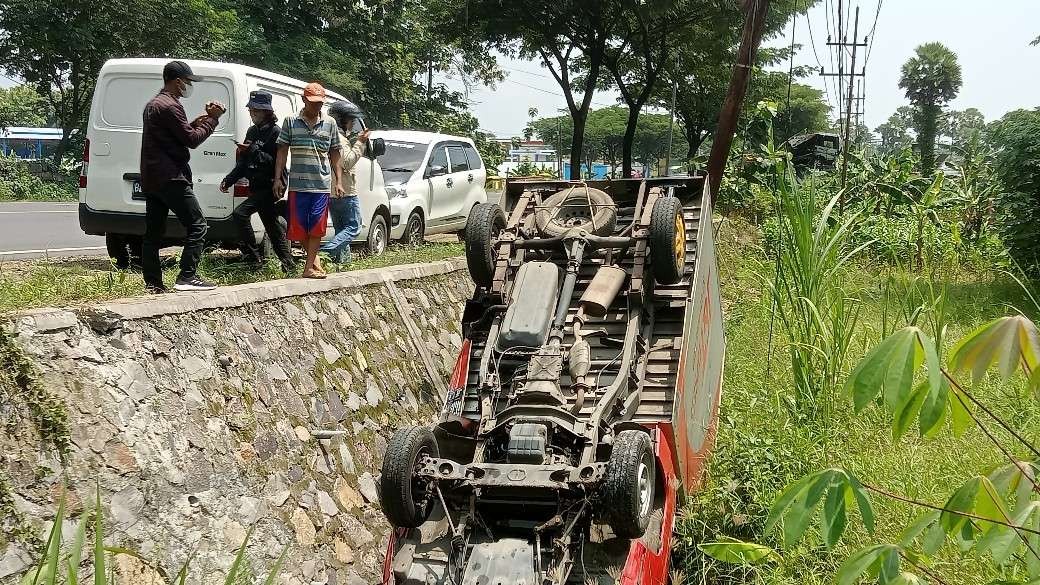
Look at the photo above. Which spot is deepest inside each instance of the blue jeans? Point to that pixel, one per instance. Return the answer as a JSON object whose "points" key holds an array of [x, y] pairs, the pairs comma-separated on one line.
{"points": [[346, 219]]}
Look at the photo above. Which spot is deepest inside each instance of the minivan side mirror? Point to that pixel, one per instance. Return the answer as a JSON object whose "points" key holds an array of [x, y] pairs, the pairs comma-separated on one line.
{"points": [[436, 171]]}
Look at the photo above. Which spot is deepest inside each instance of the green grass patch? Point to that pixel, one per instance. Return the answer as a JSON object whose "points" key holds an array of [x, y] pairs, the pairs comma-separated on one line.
{"points": [[55, 283], [764, 443]]}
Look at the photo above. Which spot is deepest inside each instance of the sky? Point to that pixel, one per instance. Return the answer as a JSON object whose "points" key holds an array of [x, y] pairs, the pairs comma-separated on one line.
{"points": [[1001, 70]]}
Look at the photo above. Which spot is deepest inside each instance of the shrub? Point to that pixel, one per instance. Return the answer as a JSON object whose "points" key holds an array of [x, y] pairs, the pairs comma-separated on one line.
{"points": [[19, 183]]}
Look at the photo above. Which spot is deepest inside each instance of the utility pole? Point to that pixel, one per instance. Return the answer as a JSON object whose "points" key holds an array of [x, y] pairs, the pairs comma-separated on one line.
{"points": [[848, 100], [559, 146], [754, 23]]}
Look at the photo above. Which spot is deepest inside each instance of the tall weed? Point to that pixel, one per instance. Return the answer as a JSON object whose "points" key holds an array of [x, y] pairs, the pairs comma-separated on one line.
{"points": [[816, 312]]}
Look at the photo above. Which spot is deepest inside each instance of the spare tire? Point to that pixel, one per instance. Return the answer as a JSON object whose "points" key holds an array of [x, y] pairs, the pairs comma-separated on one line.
{"points": [[485, 221], [570, 209], [627, 492]]}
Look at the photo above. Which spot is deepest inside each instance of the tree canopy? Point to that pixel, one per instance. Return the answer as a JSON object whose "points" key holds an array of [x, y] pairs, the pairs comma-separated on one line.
{"points": [[931, 78]]}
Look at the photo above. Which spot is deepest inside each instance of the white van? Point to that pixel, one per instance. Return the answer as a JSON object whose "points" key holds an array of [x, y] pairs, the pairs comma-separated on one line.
{"points": [[110, 198], [433, 180]]}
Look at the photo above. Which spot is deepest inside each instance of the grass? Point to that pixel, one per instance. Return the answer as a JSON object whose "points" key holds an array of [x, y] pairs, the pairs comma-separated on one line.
{"points": [[763, 444], [63, 282]]}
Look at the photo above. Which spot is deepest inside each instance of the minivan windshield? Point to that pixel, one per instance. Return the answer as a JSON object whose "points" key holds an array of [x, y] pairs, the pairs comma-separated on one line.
{"points": [[401, 160]]}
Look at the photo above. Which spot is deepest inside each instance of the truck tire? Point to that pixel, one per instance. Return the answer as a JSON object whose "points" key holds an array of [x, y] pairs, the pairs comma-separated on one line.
{"points": [[569, 209], [482, 227], [627, 492], [401, 494], [667, 241]]}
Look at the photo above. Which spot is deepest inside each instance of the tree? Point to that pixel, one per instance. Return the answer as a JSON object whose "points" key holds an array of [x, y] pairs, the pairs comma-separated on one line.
{"points": [[562, 33], [931, 79], [962, 126], [59, 46], [895, 133], [1016, 163], [22, 105]]}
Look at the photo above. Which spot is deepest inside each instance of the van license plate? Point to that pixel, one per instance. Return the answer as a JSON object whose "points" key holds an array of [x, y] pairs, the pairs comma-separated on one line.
{"points": [[135, 192]]}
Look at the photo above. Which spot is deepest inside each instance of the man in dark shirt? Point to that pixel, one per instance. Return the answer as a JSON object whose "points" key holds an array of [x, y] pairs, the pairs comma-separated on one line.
{"points": [[256, 163], [166, 176]]}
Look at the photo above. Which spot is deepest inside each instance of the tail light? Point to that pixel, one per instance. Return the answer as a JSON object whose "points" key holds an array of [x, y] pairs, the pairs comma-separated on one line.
{"points": [[242, 188], [86, 163]]}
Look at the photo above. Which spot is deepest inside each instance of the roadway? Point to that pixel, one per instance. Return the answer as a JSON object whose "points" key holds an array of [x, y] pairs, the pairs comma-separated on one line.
{"points": [[40, 230]]}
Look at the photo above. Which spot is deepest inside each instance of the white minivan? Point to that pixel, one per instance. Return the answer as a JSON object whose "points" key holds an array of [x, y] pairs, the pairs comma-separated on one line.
{"points": [[110, 198], [433, 181]]}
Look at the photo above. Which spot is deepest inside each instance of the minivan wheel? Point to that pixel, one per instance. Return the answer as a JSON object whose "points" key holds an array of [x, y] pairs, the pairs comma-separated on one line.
{"points": [[124, 250], [414, 230], [378, 235]]}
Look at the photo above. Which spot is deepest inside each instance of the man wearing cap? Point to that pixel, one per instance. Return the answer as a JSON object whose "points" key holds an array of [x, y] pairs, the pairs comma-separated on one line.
{"points": [[166, 177], [315, 173], [256, 163]]}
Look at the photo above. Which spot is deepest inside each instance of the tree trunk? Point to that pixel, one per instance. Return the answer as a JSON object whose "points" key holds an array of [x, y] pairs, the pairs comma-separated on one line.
{"points": [[926, 135], [629, 140], [63, 145], [578, 141]]}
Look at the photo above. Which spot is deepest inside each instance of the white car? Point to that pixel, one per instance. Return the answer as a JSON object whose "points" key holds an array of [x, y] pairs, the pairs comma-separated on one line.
{"points": [[110, 199], [433, 181]]}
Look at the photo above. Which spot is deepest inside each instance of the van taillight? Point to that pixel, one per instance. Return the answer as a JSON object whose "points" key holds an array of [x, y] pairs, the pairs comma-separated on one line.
{"points": [[242, 188], [83, 167]]}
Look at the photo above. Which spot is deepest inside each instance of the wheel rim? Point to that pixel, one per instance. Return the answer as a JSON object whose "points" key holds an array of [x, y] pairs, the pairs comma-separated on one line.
{"points": [[414, 231], [419, 495], [680, 240], [645, 489]]}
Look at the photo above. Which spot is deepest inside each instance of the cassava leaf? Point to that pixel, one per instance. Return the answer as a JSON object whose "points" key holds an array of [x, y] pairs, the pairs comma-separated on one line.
{"points": [[910, 533], [835, 515], [786, 500], [866, 511], [905, 414], [861, 561], [1007, 342], [900, 376], [960, 411], [874, 373], [934, 406], [738, 552], [905, 578], [962, 500]]}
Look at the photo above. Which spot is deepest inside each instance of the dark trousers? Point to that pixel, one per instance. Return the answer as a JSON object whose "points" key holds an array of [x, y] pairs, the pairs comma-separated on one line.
{"points": [[175, 196], [263, 204]]}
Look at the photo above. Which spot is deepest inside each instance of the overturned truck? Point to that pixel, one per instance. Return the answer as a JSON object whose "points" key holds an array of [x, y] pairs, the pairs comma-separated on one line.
{"points": [[584, 399]]}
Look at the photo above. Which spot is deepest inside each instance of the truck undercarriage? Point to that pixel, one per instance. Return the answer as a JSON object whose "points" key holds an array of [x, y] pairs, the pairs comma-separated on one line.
{"points": [[583, 398]]}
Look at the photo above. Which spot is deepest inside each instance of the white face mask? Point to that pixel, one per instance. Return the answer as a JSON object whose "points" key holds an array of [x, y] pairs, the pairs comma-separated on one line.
{"points": [[186, 91]]}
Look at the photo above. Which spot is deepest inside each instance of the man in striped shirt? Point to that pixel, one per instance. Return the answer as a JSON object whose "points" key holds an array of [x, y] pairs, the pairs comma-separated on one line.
{"points": [[313, 140]]}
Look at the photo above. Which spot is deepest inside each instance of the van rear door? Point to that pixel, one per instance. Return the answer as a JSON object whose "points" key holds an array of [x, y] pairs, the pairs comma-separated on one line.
{"points": [[113, 176]]}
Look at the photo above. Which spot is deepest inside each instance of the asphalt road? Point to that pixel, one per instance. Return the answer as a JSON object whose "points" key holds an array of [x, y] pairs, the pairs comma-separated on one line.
{"points": [[38, 230]]}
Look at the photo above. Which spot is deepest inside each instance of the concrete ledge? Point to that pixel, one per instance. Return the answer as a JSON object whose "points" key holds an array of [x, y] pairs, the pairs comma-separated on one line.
{"points": [[238, 295]]}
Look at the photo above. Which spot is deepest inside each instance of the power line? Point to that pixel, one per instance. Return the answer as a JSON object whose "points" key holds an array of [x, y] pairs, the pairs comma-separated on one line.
{"points": [[560, 95], [871, 34], [812, 41]]}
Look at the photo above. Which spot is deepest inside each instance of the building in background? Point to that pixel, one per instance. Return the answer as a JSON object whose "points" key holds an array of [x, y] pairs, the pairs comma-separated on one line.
{"points": [[29, 143]]}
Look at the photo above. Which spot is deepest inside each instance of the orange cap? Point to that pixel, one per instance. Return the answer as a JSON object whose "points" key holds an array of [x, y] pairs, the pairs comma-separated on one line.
{"points": [[314, 92]]}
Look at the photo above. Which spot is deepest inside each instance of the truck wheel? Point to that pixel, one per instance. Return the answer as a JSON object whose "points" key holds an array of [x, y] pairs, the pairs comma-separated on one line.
{"points": [[414, 230], [667, 241], [485, 221], [570, 209], [118, 250], [378, 235], [627, 492], [402, 495]]}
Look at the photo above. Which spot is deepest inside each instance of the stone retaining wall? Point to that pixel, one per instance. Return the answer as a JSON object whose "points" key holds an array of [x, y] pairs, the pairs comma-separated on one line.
{"points": [[194, 414]]}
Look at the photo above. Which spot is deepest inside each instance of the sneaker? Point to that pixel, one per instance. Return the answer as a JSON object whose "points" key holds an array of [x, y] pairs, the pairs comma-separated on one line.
{"points": [[193, 284]]}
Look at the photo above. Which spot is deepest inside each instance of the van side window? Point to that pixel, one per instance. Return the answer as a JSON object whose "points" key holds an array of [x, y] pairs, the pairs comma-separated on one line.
{"points": [[457, 154], [125, 97], [439, 158], [475, 162]]}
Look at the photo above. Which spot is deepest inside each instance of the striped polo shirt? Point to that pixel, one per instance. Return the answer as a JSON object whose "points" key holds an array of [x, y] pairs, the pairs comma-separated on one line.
{"points": [[309, 146]]}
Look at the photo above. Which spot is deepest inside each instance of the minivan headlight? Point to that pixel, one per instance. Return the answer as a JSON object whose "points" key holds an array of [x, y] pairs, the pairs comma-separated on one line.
{"points": [[397, 191]]}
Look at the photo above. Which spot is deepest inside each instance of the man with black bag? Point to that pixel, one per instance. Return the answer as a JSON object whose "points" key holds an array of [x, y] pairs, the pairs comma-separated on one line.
{"points": [[256, 163]]}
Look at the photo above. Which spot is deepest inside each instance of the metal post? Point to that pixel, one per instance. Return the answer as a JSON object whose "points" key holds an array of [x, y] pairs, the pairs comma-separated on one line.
{"points": [[848, 116], [559, 147], [754, 23]]}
